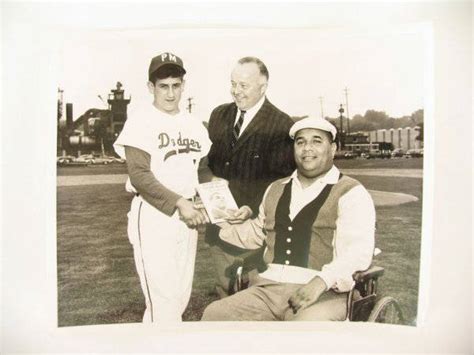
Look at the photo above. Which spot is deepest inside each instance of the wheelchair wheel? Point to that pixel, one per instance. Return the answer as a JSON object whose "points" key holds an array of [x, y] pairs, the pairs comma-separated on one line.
{"points": [[386, 310]]}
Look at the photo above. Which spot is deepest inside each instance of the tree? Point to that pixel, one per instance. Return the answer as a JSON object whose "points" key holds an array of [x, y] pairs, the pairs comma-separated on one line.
{"points": [[417, 117], [420, 136], [374, 120]]}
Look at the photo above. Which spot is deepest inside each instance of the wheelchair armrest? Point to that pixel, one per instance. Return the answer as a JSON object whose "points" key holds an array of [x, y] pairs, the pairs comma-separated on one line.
{"points": [[252, 259], [374, 272], [243, 264], [362, 297]]}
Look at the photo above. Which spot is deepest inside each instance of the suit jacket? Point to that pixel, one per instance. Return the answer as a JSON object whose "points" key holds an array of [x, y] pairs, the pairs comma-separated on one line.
{"points": [[262, 154]]}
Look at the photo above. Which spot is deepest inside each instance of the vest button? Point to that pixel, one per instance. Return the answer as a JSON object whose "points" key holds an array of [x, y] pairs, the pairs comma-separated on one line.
{"points": [[290, 228], [288, 252], [288, 240], [227, 163], [287, 262]]}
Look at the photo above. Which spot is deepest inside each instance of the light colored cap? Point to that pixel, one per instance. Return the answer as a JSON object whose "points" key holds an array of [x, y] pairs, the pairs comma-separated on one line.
{"points": [[316, 123]]}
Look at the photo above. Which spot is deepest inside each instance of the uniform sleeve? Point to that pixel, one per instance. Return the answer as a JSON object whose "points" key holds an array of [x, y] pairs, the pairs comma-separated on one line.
{"points": [[135, 133], [144, 181], [354, 239]]}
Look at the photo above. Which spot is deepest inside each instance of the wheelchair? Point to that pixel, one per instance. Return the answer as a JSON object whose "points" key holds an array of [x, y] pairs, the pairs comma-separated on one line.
{"points": [[364, 304]]}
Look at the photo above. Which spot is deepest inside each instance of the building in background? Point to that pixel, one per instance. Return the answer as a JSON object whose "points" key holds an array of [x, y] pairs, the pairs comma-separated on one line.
{"points": [[96, 130], [383, 139], [403, 138]]}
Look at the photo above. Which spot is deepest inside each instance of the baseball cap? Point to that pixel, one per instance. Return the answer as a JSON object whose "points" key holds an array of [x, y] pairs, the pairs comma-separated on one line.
{"points": [[165, 59], [312, 122]]}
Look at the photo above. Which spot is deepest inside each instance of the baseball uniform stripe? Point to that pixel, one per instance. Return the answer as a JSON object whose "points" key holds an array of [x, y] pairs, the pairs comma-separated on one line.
{"points": [[143, 263]]}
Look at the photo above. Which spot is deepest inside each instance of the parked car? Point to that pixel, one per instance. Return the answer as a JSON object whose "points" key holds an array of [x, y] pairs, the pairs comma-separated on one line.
{"points": [[117, 160], [398, 153], [349, 155], [383, 154], [94, 159], [65, 160], [414, 153], [344, 155]]}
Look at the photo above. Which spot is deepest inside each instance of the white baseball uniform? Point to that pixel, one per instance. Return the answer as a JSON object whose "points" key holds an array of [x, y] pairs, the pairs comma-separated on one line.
{"points": [[164, 247]]}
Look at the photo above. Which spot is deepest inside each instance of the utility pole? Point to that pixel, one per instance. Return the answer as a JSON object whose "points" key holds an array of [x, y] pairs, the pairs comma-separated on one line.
{"points": [[347, 111], [321, 103], [190, 104], [60, 115]]}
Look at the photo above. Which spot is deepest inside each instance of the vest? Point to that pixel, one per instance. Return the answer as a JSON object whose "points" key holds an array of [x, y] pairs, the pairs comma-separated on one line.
{"points": [[307, 241]]}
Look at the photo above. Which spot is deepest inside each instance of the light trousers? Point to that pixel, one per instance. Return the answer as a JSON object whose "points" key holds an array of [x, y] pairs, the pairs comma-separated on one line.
{"points": [[267, 300], [164, 252]]}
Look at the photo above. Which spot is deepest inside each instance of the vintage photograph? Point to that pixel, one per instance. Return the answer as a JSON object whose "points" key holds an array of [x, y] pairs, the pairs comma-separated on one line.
{"points": [[318, 134]]}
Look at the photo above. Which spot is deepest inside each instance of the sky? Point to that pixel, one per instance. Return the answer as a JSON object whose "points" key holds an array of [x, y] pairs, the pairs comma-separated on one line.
{"points": [[382, 70]]}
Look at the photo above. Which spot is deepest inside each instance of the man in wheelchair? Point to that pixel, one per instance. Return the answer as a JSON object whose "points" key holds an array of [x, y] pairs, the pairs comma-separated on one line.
{"points": [[317, 227]]}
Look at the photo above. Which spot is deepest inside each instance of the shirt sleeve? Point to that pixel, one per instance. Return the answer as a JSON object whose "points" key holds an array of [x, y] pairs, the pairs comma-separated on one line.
{"points": [[353, 241], [144, 181], [248, 235], [135, 133]]}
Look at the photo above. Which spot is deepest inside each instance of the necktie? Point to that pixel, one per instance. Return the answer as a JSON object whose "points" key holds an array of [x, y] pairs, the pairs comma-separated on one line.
{"points": [[237, 127]]}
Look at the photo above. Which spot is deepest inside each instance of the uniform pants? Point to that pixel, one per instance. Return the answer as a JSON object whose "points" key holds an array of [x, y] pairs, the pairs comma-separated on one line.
{"points": [[267, 300], [164, 251]]}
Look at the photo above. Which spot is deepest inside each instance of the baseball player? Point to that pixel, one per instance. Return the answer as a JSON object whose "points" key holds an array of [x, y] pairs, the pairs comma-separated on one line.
{"points": [[163, 147]]}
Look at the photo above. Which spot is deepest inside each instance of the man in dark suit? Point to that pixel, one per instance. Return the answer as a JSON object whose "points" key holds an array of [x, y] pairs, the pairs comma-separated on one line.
{"points": [[250, 149]]}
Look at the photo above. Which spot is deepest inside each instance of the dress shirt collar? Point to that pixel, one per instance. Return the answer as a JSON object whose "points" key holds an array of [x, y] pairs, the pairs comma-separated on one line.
{"points": [[251, 112], [331, 177]]}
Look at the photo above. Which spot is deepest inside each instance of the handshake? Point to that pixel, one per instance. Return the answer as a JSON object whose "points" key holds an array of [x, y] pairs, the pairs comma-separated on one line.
{"points": [[194, 214]]}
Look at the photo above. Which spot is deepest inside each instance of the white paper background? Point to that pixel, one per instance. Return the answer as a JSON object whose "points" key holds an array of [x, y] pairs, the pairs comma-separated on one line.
{"points": [[30, 62]]}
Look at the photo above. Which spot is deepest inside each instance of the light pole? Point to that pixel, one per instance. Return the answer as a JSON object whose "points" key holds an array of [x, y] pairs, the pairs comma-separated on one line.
{"points": [[347, 108], [341, 133]]}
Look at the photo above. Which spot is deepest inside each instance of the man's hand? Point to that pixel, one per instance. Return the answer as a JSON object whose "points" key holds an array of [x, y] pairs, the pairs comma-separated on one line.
{"points": [[200, 206], [191, 216], [307, 294], [239, 216]]}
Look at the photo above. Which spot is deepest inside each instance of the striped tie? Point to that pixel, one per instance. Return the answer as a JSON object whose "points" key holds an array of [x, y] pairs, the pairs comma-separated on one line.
{"points": [[237, 128]]}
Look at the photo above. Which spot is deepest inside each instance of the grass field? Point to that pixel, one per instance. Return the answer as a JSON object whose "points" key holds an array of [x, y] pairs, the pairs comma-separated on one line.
{"points": [[98, 284]]}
